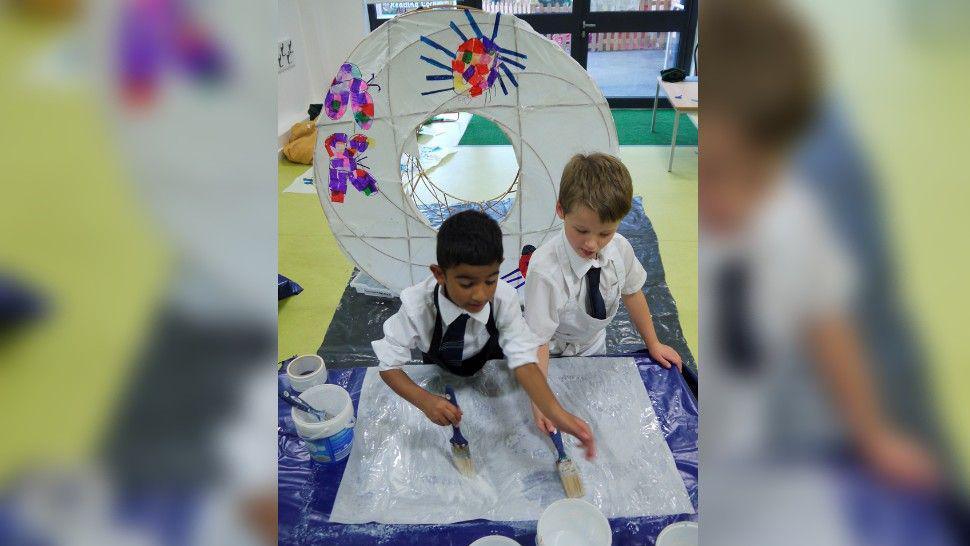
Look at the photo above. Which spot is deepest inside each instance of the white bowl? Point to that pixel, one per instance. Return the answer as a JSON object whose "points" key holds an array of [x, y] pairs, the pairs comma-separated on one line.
{"points": [[494, 540], [573, 522], [682, 533]]}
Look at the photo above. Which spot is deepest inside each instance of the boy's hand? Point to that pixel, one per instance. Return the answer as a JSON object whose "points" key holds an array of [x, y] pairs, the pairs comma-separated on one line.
{"points": [[440, 410], [545, 425], [665, 355], [902, 461], [575, 426]]}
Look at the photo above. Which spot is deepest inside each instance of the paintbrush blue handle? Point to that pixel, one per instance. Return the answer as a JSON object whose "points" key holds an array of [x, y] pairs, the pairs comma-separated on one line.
{"points": [[298, 403], [457, 438], [557, 440]]}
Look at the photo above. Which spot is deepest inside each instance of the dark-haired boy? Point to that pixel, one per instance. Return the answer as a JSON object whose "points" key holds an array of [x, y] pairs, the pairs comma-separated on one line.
{"points": [[463, 316]]}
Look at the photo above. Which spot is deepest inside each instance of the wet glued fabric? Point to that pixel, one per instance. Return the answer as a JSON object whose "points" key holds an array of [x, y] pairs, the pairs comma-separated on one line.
{"points": [[359, 318], [307, 491], [401, 468]]}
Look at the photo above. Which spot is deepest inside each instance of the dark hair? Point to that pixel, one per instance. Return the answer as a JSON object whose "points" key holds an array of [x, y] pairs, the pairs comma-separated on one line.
{"points": [[469, 237]]}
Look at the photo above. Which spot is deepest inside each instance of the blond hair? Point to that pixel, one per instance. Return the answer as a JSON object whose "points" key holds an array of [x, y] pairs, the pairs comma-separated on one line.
{"points": [[765, 75], [598, 181]]}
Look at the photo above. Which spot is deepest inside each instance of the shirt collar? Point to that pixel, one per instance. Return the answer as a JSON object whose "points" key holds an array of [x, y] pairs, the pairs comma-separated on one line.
{"points": [[577, 263], [450, 311]]}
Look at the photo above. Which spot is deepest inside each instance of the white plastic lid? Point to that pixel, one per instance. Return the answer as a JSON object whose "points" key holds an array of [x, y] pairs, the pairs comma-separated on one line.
{"points": [[682, 533], [495, 540]]}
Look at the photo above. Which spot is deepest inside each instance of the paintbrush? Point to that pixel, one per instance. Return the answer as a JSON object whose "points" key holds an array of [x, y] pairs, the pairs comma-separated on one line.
{"points": [[459, 445], [300, 404], [568, 472]]}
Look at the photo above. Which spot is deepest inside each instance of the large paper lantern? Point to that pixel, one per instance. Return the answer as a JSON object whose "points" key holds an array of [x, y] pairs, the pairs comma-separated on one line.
{"points": [[430, 62]]}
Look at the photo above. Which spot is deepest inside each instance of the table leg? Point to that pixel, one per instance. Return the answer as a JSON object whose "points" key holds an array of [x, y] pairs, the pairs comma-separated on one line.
{"points": [[656, 98], [673, 141]]}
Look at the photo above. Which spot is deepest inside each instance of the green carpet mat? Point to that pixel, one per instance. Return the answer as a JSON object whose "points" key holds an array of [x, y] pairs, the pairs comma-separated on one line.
{"points": [[632, 127]]}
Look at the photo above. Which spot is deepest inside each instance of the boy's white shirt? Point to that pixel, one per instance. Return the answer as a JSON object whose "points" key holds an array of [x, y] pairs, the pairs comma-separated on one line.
{"points": [[799, 270], [547, 291], [412, 326]]}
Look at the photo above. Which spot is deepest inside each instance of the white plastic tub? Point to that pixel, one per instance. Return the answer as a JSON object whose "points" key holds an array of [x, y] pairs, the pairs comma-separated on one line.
{"points": [[328, 440], [573, 522]]}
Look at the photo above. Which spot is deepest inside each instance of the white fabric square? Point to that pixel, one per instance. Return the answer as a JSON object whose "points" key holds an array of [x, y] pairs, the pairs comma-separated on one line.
{"points": [[401, 471]]}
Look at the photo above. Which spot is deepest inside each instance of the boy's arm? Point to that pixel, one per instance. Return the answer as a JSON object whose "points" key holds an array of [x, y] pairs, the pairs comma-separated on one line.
{"points": [[438, 409], [543, 422], [636, 304], [513, 327], [543, 359], [393, 351], [534, 383], [842, 365]]}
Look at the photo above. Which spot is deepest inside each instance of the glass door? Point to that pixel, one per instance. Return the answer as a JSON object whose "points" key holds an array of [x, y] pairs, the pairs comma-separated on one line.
{"points": [[624, 44]]}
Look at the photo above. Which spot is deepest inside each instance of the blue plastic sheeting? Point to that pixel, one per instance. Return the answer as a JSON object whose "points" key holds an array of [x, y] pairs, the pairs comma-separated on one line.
{"points": [[286, 287], [437, 213], [19, 302], [307, 490], [884, 515]]}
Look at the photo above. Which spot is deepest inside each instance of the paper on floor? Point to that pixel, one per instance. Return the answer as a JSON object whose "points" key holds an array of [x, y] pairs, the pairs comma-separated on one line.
{"points": [[400, 469], [301, 185]]}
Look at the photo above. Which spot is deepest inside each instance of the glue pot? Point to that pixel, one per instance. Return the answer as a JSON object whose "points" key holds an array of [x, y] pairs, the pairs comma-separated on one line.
{"points": [[328, 440]]}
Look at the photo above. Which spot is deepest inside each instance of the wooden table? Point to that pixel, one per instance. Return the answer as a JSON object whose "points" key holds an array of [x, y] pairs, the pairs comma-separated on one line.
{"points": [[684, 98]]}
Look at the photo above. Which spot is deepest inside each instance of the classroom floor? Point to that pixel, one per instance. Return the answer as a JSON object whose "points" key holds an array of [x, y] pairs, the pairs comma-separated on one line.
{"points": [[309, 255]]}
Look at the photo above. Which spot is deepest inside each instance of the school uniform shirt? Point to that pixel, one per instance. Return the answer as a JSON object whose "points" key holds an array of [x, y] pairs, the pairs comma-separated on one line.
{"points": [[797, 270], [412, 326], [556, 286]]}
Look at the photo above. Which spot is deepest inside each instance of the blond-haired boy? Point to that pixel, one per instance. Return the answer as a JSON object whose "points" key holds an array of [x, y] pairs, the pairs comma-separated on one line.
{"points": [[577, 279]]}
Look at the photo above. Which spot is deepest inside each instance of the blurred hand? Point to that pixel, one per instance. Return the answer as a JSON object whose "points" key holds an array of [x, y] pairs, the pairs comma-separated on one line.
{"points": [[545, 425], [440, 410], [902, 461], [261, 513], [665, 355]]}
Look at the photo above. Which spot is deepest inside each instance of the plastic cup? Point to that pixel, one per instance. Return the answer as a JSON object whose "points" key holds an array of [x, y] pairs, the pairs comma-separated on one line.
{"points": [[306, 371], [573, 522]]}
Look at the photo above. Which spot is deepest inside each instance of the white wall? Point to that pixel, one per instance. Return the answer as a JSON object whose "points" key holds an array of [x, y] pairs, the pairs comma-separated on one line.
{"points": [[294, 87], [324, 32]]}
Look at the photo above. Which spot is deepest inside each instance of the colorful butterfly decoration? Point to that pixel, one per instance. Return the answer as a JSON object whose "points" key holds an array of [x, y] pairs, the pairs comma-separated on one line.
{"points": [[346, 165], [477, 63], [155, 36], [350, 88], [516, 277]]}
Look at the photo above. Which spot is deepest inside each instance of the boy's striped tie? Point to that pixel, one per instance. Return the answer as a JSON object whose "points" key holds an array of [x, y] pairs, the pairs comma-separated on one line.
{"points": [[453, 341]]}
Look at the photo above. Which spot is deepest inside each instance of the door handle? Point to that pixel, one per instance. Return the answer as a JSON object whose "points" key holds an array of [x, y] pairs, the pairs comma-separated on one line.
{"points": [[588, 25]]}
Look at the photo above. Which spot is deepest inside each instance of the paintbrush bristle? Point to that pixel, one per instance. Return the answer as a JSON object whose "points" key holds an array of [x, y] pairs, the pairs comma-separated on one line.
{"points": [[463, 459], [571, 482]]}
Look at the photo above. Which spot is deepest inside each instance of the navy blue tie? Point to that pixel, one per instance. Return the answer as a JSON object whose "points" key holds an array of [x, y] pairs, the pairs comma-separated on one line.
{"points": [[738, 338], [596, 306], [453, 341]]}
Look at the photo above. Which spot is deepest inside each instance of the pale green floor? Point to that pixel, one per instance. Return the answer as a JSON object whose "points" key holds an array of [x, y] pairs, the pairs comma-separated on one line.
{"points": [[309, 253], [71, 227]]}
